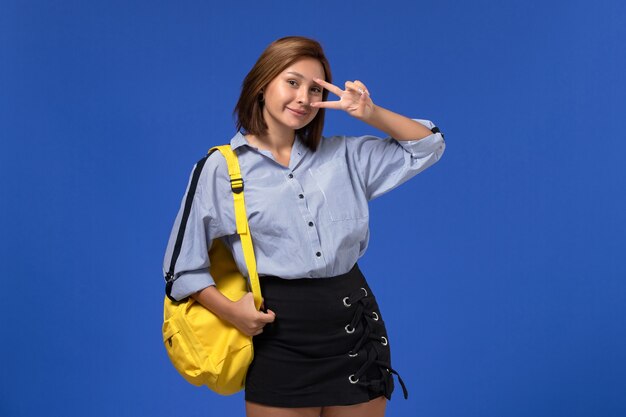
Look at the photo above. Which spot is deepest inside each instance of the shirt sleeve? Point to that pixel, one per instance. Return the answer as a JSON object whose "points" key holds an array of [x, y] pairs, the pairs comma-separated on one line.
{"points": [[191, 272], [384, 164]]}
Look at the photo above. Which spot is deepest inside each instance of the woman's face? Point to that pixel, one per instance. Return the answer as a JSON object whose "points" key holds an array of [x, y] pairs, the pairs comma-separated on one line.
{"points": [[288, 96]]}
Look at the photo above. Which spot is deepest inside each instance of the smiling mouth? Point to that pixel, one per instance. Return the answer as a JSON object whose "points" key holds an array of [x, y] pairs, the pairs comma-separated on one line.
{"points": [[297, 113]]}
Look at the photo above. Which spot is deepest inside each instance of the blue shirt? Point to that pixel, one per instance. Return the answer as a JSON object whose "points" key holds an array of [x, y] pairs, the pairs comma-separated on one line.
{"points": [[308, 220]]}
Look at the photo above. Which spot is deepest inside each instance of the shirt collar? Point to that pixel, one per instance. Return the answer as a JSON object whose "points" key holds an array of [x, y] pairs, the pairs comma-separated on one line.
{"points": [[239, 140]]}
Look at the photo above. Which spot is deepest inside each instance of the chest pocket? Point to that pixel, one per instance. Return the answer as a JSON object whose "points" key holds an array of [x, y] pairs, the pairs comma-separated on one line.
{"points": [[341, 194]]}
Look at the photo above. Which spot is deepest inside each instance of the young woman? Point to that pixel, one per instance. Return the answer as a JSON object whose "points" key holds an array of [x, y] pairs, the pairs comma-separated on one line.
{"points": [[320, 343]]}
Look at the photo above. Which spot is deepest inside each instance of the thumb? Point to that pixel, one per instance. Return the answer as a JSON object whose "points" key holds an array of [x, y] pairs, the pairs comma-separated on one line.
{"points": [[268, 317]]}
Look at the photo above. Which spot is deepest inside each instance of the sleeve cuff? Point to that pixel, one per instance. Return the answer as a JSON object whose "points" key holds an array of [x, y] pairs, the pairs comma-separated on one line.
{"points": [[191, 282], [421, 148]]}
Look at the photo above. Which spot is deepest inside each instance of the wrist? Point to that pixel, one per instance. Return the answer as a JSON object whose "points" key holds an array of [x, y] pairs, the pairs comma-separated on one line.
{"points": [[228, 311], [373, 117], [212, 299], [370, 117]]}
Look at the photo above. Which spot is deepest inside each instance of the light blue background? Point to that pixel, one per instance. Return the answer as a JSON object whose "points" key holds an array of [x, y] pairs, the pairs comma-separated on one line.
{"points": [[500, 271]]}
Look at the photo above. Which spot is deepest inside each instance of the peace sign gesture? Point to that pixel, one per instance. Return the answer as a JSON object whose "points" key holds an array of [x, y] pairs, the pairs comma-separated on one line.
{"points": [[355, 99]]}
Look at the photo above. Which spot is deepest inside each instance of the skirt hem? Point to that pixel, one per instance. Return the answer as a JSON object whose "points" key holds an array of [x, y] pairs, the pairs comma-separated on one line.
{"points": [[314, 400]]}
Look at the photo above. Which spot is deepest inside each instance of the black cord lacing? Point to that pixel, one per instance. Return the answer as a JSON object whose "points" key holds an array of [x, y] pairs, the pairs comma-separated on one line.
{"points": [[374, 350]]}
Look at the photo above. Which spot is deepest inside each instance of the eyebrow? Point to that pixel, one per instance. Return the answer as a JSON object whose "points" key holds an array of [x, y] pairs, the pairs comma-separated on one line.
{"points": [[297, 74]]}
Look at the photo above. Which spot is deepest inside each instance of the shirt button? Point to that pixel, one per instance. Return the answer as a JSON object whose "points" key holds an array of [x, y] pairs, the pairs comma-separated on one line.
{"points": [[290, 176], [318, 254], [311, 224], [301, 195]]}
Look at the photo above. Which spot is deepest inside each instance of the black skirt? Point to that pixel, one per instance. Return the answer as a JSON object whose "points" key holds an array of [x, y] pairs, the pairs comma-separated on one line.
{"points": [[328, 345]]}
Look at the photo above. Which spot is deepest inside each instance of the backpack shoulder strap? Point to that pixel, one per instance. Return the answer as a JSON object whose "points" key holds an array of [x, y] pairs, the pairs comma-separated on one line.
{"points": [[243, 229], [241, 218]]}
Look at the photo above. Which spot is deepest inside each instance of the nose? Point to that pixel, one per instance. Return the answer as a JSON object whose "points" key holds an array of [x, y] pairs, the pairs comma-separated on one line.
{"points": [[303, 96]]}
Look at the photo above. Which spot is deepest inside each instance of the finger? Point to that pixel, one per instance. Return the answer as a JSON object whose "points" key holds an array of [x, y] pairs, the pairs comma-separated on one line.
{"points": [[330, 87], [360, 87], [355, 88], [267, 317], [350, 86], [327, 105], [359, 84]]}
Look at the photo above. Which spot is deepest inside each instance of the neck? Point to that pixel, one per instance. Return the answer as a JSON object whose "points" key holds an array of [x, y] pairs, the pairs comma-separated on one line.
{"points": [[279, 146], [276, 139]]}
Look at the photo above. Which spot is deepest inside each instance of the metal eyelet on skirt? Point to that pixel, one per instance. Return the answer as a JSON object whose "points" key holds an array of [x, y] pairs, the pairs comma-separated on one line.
{"points": [[349, 329], [383, 341], [375, 316], [353, 381], [353, 355], [364, 291]]}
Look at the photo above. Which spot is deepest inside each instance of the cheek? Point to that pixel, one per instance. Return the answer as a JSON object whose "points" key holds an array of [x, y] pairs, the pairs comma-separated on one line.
{"points": [[313, 114], [275, 94]]}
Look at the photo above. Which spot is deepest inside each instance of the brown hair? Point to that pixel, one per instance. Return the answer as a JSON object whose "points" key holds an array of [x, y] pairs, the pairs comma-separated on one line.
{"points": [[279, 55]]}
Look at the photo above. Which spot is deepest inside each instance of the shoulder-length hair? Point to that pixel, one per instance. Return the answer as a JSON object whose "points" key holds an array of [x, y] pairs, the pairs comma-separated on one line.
{"points": [[279, 55]]}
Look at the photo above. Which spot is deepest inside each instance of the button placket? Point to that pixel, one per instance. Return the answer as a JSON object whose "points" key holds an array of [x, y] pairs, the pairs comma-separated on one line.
{"points": [[307, 216]]}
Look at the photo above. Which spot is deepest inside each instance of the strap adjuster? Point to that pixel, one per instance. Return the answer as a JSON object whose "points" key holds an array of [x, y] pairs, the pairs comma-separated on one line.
{"points": [[169, 283], [236, 185]]}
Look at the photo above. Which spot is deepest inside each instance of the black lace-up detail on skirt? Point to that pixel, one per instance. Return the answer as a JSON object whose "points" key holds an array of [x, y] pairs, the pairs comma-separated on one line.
{"points": [[328, 345], [375, 372]]}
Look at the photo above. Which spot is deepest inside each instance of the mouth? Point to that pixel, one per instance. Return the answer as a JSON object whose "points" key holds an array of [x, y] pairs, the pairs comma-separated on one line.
{"points": [[298, 113]]}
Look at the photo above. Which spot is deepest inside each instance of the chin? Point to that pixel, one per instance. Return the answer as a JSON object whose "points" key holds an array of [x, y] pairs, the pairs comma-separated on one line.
{"points": [[302, 127], [297, 126]]}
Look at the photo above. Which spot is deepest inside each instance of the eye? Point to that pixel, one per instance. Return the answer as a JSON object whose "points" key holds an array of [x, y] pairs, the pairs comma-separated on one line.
{"points": [[292, 82], [316, 90]]}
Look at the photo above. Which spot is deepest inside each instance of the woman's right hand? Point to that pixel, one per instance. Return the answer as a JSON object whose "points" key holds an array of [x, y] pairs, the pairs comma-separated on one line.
{"points": [[241, 313], [245, 317]]}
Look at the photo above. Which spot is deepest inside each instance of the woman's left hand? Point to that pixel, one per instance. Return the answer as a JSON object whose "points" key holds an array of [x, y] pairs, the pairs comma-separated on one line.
{"points": [[355, 99]]}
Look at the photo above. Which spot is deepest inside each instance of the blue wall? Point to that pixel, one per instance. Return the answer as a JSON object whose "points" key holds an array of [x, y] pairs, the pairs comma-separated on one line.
{"points": [[500, 270]]}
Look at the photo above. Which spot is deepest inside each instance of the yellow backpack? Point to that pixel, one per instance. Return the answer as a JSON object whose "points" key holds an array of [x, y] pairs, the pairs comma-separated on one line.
{"points": [[205, 349]]}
